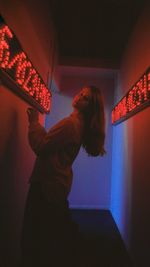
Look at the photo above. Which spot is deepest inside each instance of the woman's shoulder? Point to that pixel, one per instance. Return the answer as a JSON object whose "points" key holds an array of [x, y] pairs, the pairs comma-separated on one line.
{"points": [[76, 127], [70, 127], [65, 124]]}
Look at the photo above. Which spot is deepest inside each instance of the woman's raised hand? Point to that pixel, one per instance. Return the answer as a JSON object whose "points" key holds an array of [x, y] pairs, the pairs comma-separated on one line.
{"points": [[33, 115]]}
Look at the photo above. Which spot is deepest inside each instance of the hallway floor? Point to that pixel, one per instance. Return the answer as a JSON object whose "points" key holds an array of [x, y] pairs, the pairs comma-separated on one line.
{"points": [[104, 246]]}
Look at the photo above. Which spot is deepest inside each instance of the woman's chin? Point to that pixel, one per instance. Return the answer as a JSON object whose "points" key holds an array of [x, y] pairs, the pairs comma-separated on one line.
{"points": [[74, 104]]}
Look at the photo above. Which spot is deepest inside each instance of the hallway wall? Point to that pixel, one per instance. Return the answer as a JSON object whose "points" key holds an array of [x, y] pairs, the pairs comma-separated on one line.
{"points": [[16, 157], [130, 196]]}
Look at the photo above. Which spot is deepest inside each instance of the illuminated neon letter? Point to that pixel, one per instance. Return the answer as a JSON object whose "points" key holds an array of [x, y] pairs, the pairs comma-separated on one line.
{"points": [[4, 46]]}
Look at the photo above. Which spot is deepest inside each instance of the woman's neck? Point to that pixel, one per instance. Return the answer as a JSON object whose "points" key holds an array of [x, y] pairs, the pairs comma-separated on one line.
{"points": [[77, 114]]}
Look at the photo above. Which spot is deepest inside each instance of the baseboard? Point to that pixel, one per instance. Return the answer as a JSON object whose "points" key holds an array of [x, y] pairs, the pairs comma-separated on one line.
{"points": [[89, 207]]}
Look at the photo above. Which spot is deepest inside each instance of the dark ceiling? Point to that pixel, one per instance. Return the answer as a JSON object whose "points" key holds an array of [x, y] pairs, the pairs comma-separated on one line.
{"points": [[95, 31]]}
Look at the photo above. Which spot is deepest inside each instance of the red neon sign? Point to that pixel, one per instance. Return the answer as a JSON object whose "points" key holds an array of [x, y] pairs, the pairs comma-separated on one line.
{"points": [[137, 98], [17, 71]]}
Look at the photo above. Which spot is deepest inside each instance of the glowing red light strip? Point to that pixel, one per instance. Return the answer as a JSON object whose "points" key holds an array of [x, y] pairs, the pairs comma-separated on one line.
{"points": [[137, 98], [15, 64]]}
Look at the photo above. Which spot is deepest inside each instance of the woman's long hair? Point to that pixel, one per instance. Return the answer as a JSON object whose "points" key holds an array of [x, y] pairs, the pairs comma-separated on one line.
{"points": [[94, 129]]}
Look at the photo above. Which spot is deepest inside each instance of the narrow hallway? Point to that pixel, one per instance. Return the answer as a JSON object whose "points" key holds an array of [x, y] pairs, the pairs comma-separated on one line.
{"points": [[49, 50]]}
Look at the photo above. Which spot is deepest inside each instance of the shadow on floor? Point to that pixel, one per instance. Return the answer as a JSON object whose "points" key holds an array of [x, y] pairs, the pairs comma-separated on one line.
{"points": [[103, 244]]}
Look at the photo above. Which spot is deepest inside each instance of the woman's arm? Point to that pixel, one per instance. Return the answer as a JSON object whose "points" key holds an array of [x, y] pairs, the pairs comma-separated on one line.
{"points": [[42, 142]]}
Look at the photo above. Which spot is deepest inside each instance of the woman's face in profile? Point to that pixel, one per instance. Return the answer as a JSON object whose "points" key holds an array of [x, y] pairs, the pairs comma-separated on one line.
{"points": [[82, 99]]}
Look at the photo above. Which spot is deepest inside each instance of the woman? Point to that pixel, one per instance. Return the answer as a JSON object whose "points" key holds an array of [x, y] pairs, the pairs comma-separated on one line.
{"points": [[50, 237]]}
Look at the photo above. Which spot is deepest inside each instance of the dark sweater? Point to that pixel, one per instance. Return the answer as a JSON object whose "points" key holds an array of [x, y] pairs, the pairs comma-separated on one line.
{"points": [[56, 151]]}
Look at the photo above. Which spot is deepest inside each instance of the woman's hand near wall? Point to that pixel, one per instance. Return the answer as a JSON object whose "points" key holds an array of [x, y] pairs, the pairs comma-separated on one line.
{"points": [[33, 115]]}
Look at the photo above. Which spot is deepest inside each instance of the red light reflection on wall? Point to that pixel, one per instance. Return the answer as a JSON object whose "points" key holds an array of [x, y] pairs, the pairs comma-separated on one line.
{"points": [[18, 69], [137, 98]]}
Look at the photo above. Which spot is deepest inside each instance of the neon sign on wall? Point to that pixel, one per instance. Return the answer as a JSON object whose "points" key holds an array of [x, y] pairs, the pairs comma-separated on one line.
{"points": [[136, 99], [17, 71]]}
